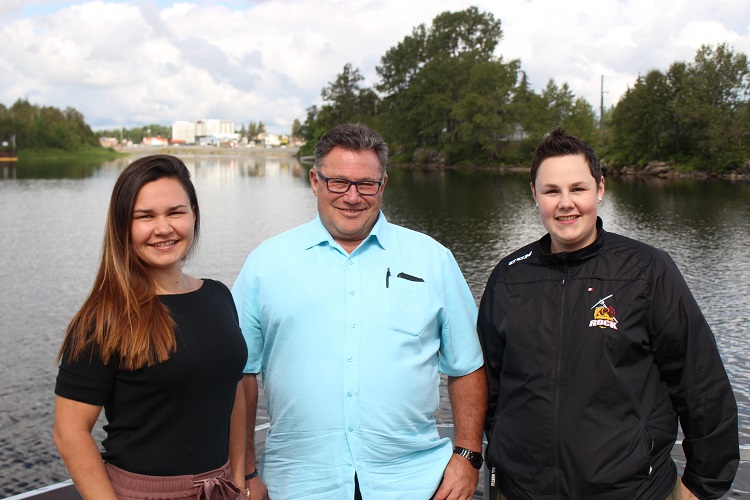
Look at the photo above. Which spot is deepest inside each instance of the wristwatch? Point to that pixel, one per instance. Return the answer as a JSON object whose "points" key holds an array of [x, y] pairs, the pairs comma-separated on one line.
{"points": [[474, 458]]}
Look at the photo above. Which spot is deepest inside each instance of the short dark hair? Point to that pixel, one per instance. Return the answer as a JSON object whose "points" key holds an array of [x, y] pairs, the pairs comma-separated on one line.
{"points": [[353, 137], [560, 143]]}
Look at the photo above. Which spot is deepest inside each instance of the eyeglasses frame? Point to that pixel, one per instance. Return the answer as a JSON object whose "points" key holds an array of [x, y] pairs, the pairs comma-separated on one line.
{"points": [[354, 183]]}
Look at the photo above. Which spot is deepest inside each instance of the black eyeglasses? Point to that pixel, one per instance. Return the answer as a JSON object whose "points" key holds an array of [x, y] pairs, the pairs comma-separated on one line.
{"points": [[340, 186]]}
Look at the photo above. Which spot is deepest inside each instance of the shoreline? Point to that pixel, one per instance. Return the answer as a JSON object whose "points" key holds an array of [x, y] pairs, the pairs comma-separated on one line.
{"points": [[208, 151], [654, 170]]}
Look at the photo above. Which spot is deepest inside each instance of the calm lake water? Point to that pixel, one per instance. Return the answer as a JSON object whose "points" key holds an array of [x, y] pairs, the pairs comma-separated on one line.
{"points": [[51, 226]]}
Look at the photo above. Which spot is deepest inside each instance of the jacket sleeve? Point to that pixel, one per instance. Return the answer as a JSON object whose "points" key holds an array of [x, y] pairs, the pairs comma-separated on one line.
{"points": [[492, 350], [689, 362]]}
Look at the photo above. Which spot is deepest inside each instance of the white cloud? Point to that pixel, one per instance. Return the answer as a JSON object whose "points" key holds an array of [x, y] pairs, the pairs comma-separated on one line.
{"points": [[138, 62]]}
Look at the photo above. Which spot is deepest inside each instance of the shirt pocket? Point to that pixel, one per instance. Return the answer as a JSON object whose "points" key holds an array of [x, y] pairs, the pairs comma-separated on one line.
{"points": [[406, 306]]}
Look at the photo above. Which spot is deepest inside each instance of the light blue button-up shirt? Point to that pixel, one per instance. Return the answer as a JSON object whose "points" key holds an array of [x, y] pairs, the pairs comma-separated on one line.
{"points": [[350, 346]]}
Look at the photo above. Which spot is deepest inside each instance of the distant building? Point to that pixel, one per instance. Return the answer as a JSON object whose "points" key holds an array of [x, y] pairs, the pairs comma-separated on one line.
{"points": [[204, 132], [183, 132], [108, 142], [269, 140], [154, 141]]}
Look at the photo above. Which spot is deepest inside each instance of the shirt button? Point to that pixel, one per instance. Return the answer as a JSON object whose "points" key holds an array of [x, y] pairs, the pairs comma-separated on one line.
{"points": [[351, 429], [348, 394], [352, 292], [349, 359], [350, 262], [354, 325], [348, 464]]}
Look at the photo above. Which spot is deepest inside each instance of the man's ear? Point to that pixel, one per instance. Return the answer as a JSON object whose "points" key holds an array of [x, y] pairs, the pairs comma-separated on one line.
{"points": [[314, 181]]}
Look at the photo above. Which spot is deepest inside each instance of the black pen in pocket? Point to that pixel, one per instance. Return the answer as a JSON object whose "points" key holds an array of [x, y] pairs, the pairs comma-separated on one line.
{"points": [[409, 277], [387, 276]]}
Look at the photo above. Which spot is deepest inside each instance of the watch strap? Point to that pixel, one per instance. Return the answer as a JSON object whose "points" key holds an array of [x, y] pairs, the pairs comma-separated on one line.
{"points": [[474, 458]]}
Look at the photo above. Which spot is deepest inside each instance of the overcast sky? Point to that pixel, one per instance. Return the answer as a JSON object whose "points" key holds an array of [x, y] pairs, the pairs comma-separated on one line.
{"points": [[132, 63]]}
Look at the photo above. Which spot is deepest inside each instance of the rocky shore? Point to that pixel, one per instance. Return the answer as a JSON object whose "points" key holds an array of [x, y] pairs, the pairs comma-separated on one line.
{"points": [[654, 169], [665, 170]]}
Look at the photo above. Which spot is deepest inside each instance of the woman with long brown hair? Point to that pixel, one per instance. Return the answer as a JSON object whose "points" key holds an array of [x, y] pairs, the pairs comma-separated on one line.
{"points": [[159, 350]]}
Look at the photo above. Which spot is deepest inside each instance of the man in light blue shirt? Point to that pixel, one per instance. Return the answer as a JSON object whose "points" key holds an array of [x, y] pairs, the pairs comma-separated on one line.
{"points": [[350, 319]]}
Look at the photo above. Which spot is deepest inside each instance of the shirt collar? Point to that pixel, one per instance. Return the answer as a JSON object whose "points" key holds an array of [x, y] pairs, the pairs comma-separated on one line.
{"points": [[317, 234]]}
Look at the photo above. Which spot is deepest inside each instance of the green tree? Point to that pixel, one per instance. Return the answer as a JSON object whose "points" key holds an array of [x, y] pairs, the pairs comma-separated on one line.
{"points": [[432, 91], [315, 125], [5, 129], [695, 114], [296, 128], [343, 95], [252, 130], [564, 109], [528, 116], [643, 122], [45, 127], [712, 106], [483, 112]]}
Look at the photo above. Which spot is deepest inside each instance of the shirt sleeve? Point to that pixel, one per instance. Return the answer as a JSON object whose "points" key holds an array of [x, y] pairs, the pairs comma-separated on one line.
{"points": [[689, 362], [460, 353], [245, 293], [87, 380]]}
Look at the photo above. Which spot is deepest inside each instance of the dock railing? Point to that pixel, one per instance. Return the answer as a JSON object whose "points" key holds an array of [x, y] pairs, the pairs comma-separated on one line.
{"points": [[67, 491]]}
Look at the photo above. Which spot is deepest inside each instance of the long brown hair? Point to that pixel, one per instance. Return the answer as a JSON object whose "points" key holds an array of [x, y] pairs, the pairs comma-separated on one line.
{"points": [[123, 318]]}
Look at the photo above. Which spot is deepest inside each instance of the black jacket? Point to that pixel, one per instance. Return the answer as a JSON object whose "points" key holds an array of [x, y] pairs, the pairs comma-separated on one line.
{"points": [[591, 356]]}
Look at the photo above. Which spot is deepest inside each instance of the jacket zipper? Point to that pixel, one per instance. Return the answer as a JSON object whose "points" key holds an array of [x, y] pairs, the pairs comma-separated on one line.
{"points": [[558, 370]]}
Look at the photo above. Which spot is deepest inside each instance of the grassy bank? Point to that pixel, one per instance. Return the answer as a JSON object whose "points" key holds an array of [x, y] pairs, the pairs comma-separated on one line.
{"points": [[41, 155]]}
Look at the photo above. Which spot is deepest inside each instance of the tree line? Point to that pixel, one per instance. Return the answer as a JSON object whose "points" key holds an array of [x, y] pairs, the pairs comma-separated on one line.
{"points": [[45, 127], [49, 128], [443, 95], [696, 114]]}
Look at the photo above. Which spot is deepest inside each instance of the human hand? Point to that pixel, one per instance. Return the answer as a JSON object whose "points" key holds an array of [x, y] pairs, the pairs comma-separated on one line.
{"points": [[256, 488], [459, 480]]}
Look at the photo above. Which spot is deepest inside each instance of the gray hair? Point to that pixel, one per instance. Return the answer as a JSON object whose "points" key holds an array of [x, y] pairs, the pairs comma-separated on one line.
{"points": [[352, 137]]}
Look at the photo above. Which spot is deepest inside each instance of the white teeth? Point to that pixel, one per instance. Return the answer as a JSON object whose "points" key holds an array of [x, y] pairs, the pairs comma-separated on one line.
{"points": [[569, 217], [164, 244]]}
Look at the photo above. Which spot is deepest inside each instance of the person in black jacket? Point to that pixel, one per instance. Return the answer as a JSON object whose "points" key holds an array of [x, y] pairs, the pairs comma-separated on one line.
{"points": [[594, 347]]}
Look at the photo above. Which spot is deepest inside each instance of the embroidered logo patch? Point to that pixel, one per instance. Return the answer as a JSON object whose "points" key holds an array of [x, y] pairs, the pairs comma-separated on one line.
{"points": [[604, 315]]}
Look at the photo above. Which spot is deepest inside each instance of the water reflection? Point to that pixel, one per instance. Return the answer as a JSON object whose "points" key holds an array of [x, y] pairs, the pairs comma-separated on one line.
{"points": [[45, 168], [54, 219]]}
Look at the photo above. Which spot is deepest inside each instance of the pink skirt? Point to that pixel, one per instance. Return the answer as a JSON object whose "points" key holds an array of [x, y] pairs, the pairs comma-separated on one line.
{"points": [[213, 485]]}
